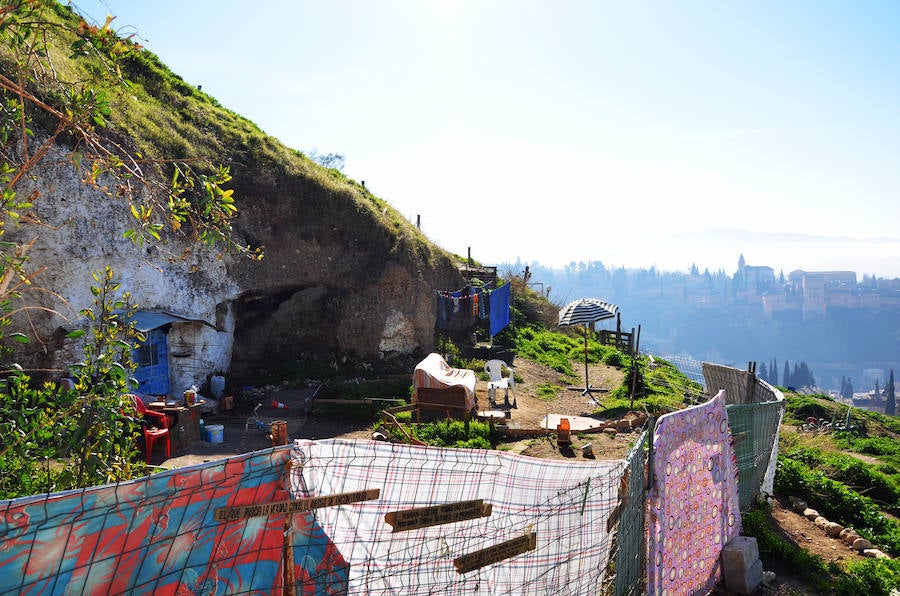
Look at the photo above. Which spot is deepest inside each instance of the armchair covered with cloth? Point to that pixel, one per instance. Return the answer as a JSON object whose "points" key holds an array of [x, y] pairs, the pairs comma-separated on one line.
{"points": [[439, 387]]}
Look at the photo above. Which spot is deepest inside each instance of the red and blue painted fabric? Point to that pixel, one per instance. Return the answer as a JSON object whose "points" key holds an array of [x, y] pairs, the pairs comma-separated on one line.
{"points": [[159, 535], [693, 500]]}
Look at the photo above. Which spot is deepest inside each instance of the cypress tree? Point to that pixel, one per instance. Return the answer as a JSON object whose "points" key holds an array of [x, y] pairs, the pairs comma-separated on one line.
{"points": [[890, 408]]}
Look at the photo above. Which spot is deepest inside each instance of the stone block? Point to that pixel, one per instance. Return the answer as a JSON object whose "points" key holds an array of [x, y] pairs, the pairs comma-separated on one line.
{"points": [[740, 554], [861, 544], [746, 581]]}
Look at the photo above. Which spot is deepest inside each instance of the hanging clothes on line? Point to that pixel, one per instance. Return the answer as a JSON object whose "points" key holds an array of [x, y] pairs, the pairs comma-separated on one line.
{"points": [[463, 306]]}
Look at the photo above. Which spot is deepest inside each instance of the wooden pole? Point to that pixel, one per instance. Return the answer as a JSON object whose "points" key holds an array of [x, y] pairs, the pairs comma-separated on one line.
{"points": [[634, 363], [290, 582], [751, 381]]}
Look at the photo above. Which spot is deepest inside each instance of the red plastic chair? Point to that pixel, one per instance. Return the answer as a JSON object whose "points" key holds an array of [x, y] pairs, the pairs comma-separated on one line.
{"points": [[155, 427]]}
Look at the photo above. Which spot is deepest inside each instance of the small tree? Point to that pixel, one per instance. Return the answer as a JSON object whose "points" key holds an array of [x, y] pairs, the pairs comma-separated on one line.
{"points": [[329, 160], [54, 69], [55, 439]]}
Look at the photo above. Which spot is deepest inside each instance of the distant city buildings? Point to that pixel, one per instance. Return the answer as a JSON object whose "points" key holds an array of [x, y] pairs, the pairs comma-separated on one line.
{"points": [[813, 293]]}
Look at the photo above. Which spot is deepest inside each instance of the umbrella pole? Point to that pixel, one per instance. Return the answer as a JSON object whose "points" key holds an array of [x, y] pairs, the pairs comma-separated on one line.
{"points": [[587, 385]]}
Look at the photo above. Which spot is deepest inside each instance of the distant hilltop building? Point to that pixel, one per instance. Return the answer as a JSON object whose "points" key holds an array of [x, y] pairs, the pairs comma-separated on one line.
{"points": [[814, 292], [819, 289], [752, 278]]}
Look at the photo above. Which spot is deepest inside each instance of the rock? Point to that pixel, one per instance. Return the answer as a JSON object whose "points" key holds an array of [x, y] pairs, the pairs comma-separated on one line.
{"points": [[833, 529], [798, 505], [861, 544], [611, 432], [844, 533], [850, 538], [810, 514], [623, 426], [637, 419], [820, 522], [875, 553]]}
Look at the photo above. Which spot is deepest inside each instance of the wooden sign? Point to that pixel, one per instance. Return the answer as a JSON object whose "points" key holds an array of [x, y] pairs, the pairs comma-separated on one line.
{"points": [[422, 517], [294, 505], [495, 554]]}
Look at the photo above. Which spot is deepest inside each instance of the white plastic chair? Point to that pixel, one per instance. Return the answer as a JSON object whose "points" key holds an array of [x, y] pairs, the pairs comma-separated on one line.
{"points": [[494, 368]]}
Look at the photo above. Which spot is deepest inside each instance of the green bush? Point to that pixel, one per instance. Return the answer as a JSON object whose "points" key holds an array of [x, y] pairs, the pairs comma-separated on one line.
{"points": [[452, 433], [837, 502], [756, 523], [874, 577], [853, 472]]}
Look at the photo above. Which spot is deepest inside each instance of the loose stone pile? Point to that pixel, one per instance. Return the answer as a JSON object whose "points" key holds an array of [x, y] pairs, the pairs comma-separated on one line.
{"points": [[835, 530]]}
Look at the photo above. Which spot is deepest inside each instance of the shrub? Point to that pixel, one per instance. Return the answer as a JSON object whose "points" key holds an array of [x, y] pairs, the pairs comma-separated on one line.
{"points": [[756, 523], [837, 502], [876, 577], [452, 433]]}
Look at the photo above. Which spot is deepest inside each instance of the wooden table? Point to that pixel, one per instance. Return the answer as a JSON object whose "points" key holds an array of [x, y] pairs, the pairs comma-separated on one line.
{"points": [[184, 423]]}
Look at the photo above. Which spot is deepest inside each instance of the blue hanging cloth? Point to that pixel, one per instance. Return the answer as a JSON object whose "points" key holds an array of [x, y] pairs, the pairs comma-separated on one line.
{"points": [[499, 309]]}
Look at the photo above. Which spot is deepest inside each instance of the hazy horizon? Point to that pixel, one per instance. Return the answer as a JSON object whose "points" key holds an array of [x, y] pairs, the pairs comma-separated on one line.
{"points": [[720, 249]]}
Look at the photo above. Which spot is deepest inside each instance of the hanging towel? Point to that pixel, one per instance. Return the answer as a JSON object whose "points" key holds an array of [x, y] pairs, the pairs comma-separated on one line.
{"points": [[499, 309], [693, 499]]}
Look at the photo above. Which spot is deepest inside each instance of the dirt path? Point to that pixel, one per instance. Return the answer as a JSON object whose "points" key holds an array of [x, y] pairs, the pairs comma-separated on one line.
{"points": [[528, 414]]}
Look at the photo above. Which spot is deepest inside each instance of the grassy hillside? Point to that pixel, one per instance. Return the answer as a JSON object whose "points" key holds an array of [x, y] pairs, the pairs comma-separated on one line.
{"points": [[155, 115]]}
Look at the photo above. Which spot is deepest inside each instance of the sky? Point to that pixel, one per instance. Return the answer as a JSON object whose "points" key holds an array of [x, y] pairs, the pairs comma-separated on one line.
{"points": [[638, 134]]}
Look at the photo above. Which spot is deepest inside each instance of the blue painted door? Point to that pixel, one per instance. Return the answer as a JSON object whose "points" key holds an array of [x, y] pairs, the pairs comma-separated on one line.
{"points": [[152, 360]]}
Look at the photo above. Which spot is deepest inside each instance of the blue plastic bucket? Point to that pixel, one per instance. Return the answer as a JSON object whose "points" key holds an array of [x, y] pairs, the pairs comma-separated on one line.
{"points": [[215, 433]]}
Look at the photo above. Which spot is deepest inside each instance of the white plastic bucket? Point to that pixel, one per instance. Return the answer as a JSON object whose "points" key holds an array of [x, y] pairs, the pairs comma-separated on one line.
{"points": [[215, 433]]}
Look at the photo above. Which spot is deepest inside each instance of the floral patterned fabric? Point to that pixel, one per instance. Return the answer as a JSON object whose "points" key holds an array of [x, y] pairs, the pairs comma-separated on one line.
{"points": [[693, 499]]}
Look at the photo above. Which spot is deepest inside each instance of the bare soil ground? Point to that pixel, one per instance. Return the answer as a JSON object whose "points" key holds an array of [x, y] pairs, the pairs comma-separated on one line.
{"points": [[324, 422]]}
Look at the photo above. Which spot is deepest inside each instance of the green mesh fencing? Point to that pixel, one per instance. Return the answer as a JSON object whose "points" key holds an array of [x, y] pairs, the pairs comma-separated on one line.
{"points": [[754, 428], [630, 541]]}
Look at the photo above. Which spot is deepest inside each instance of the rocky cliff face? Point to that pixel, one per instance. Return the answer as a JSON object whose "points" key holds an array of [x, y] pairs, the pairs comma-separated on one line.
{"points": [[339, 277], [343, 275]]}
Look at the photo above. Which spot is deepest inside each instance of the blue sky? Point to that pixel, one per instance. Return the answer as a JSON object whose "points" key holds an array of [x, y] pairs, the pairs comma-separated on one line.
{"points": [[631, 133]]}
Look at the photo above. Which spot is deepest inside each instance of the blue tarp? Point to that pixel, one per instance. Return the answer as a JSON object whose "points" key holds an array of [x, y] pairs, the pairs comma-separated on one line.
{"points": [[499, 309]]}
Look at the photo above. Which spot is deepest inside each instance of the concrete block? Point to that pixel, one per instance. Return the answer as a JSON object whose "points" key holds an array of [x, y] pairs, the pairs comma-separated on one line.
{"points": [[740, 554], [744, 582]]}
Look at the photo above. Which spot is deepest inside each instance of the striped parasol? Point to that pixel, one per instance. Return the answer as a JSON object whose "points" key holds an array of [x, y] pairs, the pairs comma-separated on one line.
{"points": [[586, 311]]}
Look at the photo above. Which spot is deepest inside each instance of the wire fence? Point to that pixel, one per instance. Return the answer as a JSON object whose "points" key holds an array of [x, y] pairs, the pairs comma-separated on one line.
{"points": [[566, 505]]}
